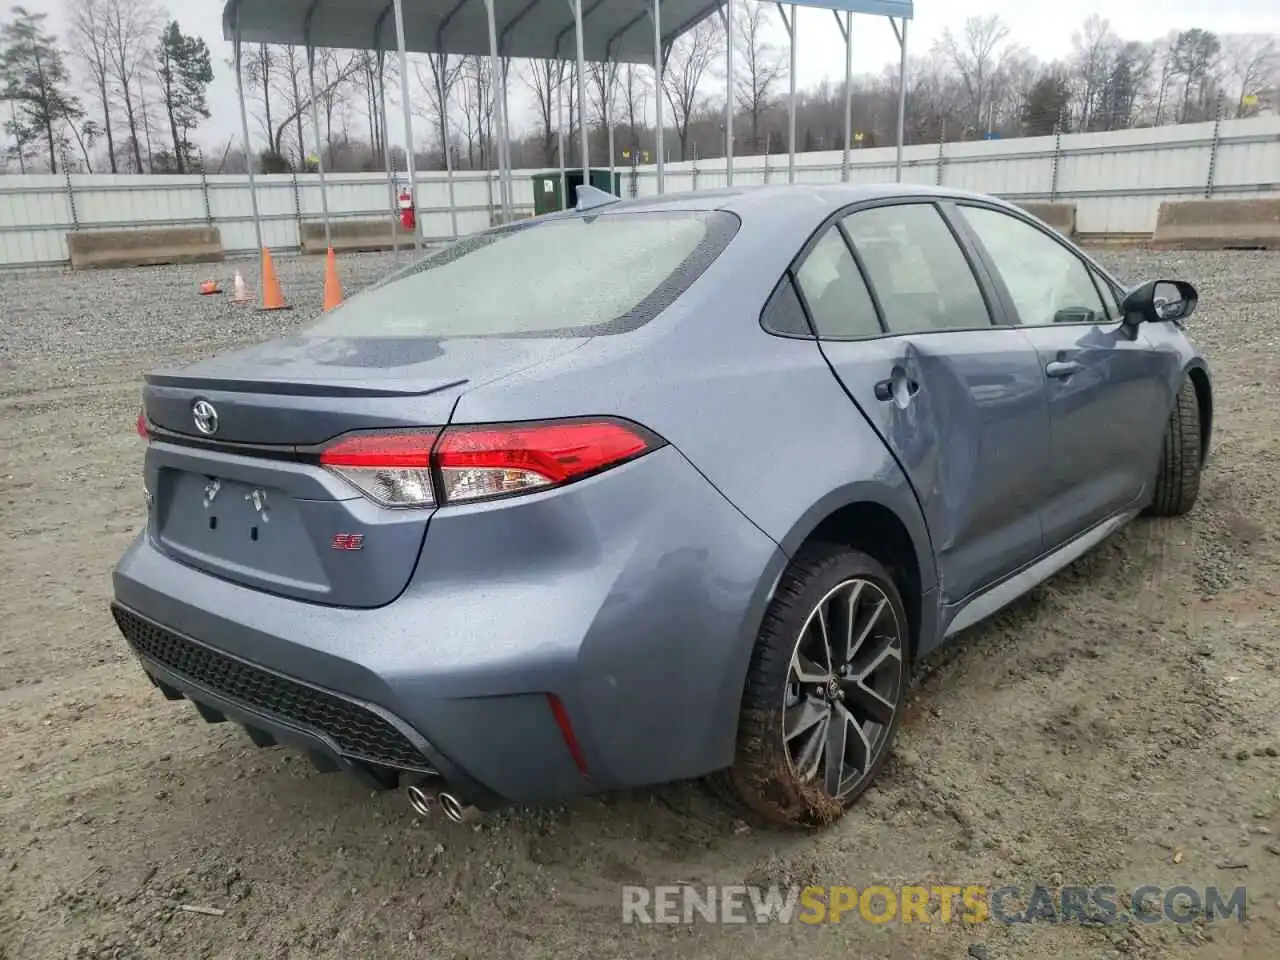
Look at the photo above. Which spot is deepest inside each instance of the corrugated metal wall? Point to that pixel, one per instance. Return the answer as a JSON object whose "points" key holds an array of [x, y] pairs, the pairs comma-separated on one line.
{"points": [[1117, 180]]}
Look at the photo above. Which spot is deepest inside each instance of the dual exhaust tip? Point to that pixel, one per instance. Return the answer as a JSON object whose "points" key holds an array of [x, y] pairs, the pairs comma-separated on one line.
{"points": [[427, 798]]}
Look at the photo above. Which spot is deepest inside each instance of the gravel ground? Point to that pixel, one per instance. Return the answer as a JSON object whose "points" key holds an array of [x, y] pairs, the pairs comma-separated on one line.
{"points": [[1117, 727]]}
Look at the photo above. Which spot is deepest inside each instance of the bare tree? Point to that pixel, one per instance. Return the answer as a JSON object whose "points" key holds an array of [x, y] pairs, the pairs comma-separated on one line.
{"points": [[477, 111], [335, 70], [90, 42], [692, 56], [131, 25], [604, 90], [976, 55], [294, 92], [761, 67], [636, 87], [295, 66], [439, 81], [1095, 47], [1249, 62], [544, 79], [260, 66]]}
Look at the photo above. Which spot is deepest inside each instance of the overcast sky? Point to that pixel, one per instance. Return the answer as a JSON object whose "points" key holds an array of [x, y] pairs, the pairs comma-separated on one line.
{"points": [[1044, 28]]}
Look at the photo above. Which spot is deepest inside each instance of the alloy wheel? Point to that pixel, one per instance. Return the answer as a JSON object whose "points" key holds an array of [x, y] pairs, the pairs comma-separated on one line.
{"points": [[844, 686]]}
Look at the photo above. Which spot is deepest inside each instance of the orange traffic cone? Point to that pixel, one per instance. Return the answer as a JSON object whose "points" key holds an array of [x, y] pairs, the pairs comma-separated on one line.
{"points": [[209, 288], [272, 295], [241, 294], [332, 285]]}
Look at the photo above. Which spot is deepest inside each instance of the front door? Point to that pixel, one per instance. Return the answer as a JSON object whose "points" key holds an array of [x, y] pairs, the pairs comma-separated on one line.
{"points": [[1106, 386], [959, 402]]}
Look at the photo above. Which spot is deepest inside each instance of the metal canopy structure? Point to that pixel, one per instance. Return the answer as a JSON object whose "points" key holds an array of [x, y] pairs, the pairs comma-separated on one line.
{"points": [[614, 30], [597, 31]]}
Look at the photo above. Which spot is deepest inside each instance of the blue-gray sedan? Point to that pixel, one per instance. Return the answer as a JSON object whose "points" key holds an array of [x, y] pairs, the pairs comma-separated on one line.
{"points": [[651, 490]]}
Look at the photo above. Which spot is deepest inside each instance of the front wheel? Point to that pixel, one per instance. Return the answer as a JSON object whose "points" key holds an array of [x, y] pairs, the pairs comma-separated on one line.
{"points": [[1178, 478], [825, 689]]}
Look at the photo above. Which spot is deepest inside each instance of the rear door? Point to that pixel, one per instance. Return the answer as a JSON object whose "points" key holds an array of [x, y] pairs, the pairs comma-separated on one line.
{"points": [[905, 325], [1107, 388]]}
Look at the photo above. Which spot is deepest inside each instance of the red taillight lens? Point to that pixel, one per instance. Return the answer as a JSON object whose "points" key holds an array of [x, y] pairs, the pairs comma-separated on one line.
{"points": [[392, 469], [478, 462], [481, 462], [144, 428]]}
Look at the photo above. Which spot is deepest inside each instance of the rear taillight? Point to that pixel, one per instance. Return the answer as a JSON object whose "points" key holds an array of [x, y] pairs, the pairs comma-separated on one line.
{"points": [[472, 463], [144, 428], [392, 469], [480, 462]]}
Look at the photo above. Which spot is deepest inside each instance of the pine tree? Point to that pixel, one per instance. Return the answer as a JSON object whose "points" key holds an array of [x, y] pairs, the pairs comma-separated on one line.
{"points": [[185, 72], [1046, 106], [34, 76]]}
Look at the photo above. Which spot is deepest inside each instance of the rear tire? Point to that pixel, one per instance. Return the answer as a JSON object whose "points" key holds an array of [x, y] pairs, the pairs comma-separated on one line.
{"points": [[1178, 478], [827, 680]]}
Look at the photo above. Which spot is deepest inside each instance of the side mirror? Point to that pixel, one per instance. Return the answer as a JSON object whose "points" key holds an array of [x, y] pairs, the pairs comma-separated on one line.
{"points": [[1159, 300]]}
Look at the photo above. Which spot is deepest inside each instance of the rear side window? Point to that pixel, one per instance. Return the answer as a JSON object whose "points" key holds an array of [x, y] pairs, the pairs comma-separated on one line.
{"points": [[920, 274], [571, 277], [784, 314], [833, 288]]}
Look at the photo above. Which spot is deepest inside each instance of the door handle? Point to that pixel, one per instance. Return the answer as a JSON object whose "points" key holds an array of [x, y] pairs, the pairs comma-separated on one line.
{"points": [[1061, 369], [885, 389]]}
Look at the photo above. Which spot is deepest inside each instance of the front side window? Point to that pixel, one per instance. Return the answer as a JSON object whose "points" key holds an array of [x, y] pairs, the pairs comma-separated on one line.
{"points": [[569, 277], [1048, 283], [917, 269], [835, 292]]}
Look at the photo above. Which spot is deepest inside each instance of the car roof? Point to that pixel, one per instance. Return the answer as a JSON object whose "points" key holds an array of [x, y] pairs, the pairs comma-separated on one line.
{"points": [[780, 200]]}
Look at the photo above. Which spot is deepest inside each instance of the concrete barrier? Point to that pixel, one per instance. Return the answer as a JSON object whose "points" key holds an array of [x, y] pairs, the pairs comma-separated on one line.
{"points": [[355, 236], [144, 248], [1218, 225], [1060, 216]]}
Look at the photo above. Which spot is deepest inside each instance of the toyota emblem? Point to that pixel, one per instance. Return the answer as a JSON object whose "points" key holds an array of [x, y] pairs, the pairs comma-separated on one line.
{"points": [[205, 416]]}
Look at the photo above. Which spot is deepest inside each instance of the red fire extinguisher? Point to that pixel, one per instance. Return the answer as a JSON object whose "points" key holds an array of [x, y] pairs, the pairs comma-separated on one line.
{"points": [[406, 209]]}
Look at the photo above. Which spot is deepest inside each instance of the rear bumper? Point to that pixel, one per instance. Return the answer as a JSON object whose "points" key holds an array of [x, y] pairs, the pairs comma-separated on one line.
{"points": [[268, 722], [633, 598]]}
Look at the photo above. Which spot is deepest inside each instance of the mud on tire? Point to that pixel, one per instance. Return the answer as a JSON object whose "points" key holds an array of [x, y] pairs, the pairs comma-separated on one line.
{"points": [[764, 778]]}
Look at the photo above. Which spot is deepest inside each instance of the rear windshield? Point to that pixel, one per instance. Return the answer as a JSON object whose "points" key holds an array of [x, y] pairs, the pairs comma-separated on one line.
{"points": [[573, 277]]}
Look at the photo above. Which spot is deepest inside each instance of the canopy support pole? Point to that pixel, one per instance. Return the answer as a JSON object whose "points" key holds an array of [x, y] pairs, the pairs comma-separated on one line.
{"points": [[315, 123], [507, 162], [448, 166], [790, 24], [728, 93], [609, 78], [444, 142], [658, 71], [846, 30], [564, 177], [244, 132], [902, 92], [582, 98], [497, 103], [408, 120], [386, 150]]}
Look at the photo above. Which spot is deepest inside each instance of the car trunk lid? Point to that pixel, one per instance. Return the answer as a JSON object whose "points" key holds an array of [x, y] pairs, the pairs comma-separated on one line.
{"points": [[233, 466]]}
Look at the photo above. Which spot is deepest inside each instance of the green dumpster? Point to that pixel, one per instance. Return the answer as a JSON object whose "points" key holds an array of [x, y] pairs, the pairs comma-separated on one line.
{"points": [[546, 187]]}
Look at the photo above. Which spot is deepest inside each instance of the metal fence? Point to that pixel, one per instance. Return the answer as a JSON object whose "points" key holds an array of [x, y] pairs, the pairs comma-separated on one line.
{"points": [[1117, 180]]}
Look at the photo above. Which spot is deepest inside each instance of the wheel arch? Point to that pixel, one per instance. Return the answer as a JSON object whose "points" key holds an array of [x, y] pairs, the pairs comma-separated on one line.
{"points": [[885, 523], [1198, 373]]}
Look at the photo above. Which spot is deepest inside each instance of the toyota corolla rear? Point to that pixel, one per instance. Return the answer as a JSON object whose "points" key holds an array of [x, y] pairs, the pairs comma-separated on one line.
{"points": [[336, 556]]}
